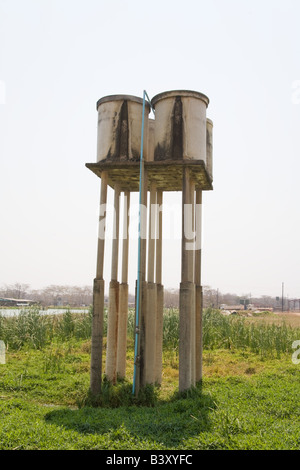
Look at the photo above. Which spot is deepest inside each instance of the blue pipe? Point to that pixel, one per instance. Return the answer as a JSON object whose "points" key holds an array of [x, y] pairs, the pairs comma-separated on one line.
{"points": [[137, 320]]}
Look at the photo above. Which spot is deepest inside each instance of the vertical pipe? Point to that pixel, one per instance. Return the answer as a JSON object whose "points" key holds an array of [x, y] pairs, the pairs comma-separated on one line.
{"points": [[113, 301], [98, 297], [198, 326], [160, 290], [123, 305]]}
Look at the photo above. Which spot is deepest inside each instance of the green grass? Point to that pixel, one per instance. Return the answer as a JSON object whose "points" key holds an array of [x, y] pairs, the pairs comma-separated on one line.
{"points": [[249, 398]]}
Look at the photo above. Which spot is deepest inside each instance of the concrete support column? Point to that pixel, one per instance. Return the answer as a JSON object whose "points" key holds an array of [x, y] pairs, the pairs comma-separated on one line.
{"points": [[187, 291], [198, 319], [150, 319], [186, 304], [193, 300], [150, 334], [142, 294], [123, 294], [159, 290], [98, 298], [113, 301]]}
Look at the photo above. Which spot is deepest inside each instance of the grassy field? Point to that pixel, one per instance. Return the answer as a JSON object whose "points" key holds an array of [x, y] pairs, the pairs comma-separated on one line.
{"points": [[249, 398]]}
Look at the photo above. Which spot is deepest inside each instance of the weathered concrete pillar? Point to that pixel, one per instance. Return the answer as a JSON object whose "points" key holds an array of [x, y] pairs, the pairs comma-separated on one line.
{"points": [[185, 330], [116, 231], [113, 300], [150, 334], [198, 319], [102, 225], [97, 337], [158, 248], [187, 291], [150, 318], [142, 294], [98, 298], [198, 309], [152, 233], [159, 332], [159, 290], [193, 335], [193, 299], [123, 295]]}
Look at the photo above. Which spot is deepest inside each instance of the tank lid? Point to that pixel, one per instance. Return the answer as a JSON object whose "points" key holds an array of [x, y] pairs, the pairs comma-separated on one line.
{"points": [[136, 99], [181, 93], [209, 121]]}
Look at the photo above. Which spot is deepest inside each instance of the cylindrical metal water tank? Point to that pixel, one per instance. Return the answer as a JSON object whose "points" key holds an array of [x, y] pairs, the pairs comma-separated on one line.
{"points": [[180, 125], [209, 148], [120, 128]]}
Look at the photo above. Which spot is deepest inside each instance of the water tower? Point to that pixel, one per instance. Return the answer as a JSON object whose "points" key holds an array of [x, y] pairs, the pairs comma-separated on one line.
{"points": [[172, 152]]}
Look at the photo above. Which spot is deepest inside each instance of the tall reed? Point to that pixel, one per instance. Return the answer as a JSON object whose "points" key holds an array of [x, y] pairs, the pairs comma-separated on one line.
{"points": [[34, 329]]}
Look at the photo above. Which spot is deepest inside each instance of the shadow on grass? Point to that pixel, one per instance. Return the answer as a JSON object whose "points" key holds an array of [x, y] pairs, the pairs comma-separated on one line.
{"points": [[165, 422]]}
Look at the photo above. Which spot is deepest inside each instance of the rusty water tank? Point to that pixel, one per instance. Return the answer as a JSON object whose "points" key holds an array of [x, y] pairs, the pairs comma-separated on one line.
{"points": [[180, 125], [119, 128], [209, 148]]}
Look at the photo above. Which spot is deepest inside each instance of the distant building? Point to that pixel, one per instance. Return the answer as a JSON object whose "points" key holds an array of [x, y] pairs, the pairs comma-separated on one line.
{"points": [[232, 308], [8, 302]]}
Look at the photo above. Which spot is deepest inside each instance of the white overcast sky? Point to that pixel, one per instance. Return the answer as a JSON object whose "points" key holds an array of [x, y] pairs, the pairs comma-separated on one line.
{"points": [[58, 57]]}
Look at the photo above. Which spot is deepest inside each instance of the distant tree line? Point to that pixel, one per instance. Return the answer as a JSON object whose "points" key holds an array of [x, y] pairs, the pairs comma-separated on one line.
{"points": [[54, 295], [79, 296], [214, 298]]}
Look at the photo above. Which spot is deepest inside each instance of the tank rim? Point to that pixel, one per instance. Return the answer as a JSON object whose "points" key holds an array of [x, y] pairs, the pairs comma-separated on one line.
{"points": [[136, 99], [183, 93]]}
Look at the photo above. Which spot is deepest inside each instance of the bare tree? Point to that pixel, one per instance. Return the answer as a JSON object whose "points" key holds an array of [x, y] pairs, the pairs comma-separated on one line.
{"points": [[15, 291]]}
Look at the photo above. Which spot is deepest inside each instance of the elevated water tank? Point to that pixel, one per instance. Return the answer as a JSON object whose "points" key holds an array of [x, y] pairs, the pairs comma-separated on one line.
{"points": [[209, 148], [119, 128], [180, 125]]}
